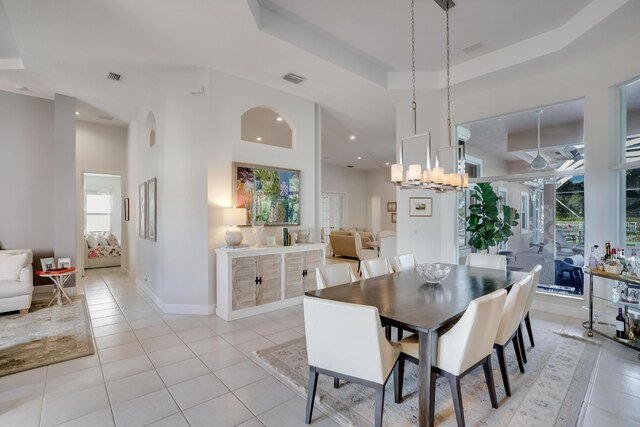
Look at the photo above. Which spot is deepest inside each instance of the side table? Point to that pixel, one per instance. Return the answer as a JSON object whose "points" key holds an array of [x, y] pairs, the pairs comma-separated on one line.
{"points": [[58, 279]]}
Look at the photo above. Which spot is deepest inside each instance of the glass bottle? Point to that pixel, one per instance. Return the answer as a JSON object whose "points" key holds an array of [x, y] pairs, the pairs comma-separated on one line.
{"points": [[620, 325], [593, 258], [607, 250]]}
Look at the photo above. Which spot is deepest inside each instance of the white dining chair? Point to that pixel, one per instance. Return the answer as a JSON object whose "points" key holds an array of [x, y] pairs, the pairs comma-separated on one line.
{"points": [[535, 274], [496, 262], [334, 274], [346, 341], [512, 314], [375, 267], [362, 253], [404, 262], [461, 349]]}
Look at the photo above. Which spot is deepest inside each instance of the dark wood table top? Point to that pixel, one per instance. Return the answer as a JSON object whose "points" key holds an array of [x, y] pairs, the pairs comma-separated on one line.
{"points": [[405, 300]]}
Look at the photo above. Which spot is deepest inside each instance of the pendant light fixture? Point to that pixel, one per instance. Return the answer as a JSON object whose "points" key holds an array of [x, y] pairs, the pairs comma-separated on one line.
{"points": [[539, 162], [430, 178]]}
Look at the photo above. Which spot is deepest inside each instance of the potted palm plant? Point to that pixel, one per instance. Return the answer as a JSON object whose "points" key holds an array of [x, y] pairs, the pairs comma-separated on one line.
{"points": [[489, 226]]}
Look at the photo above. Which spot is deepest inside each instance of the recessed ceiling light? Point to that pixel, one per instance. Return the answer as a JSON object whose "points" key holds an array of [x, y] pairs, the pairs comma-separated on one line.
{"points": [[499, 119], [359, 157], [387, 164], [279, 119], [352, 137], [258, 139], [77, 114]]}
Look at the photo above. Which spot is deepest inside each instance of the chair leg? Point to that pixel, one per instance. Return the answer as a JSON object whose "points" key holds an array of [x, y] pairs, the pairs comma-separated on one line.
{"points": [[336, 382], [398, 379], [387, 332], [400, 333], [527, 323], [521, 342], [311, 393], [358, 266], [503, 369], [379, 404], [488, 374], [454, 382], [516, 347]]}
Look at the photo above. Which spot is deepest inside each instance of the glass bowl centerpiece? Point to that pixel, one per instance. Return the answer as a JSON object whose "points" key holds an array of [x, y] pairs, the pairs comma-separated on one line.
{"points": [[433, 273]]}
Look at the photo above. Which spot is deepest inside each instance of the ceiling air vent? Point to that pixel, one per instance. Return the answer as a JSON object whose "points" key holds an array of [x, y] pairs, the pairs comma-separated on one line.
{"points": [[114, 76], [294, 78]]}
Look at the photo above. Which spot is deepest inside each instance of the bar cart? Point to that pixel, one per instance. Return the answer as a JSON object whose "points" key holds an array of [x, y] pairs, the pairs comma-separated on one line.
{"points": [[604, 297]]}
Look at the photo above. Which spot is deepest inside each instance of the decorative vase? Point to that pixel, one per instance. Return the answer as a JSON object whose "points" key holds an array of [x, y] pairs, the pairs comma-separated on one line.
{"points": [[257, 227]]}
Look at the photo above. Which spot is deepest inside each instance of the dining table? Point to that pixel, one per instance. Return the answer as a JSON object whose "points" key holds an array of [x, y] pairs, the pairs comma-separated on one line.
{"points": [[405, 300]]}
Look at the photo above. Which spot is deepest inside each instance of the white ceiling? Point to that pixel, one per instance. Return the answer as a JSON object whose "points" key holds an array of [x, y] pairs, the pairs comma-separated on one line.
{"points": [[354, 53]]}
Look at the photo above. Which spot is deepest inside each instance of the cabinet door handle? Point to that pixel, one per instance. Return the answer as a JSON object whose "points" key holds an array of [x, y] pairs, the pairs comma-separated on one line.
{"points": [[304, 273], [258, 280]]}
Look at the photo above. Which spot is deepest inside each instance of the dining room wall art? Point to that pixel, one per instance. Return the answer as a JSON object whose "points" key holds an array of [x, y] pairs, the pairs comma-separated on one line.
{"points": [[421, 206], [152, 209], [142, 210], [267, 193]]}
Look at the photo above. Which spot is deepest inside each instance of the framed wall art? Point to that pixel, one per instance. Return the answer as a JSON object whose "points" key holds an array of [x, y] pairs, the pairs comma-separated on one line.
{"points": [[152, 215], [421, 206], [126, 209], [394, 217], [392, 207], [142, 210], [268, 194]]}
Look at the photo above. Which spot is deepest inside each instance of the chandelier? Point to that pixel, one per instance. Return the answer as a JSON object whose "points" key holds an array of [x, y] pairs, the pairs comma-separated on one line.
{"points": [[430, 178]]}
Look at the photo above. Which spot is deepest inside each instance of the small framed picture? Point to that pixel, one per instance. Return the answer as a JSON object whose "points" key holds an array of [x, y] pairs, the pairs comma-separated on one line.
{"points": [[392, 207], [394, 218], [271, 240], [421, 206], [48, 264], [64, 262]]}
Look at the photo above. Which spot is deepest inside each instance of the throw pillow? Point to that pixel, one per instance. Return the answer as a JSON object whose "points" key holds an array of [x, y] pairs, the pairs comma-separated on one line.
{"points": [[11, 264], [92, 241], [112, 240], [102, 241]]}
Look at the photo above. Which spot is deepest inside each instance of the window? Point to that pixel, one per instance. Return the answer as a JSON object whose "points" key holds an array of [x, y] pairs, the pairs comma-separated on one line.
{"points": [[630, 174], [332, 209], [97, 215]]}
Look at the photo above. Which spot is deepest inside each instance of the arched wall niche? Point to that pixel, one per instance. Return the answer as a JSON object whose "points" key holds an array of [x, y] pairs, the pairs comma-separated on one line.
{"points": [[263, 125], [150, 129]]}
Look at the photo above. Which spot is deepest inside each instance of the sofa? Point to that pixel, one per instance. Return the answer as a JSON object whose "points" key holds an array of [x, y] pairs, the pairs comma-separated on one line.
{"points": [[16, 280], [343, 242]]}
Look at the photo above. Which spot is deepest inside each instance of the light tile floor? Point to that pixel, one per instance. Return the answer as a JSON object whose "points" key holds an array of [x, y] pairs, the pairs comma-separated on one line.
{"points": [[177, 370]]}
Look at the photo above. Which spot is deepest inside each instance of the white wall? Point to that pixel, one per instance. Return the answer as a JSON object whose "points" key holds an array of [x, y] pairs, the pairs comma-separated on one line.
{"points": [[26, 174], [379, 185], [352, 183], [593, 79]]}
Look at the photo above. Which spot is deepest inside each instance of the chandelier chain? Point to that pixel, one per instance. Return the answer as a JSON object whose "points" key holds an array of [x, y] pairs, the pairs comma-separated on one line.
{"points": [[413, 67], [448, 79]]}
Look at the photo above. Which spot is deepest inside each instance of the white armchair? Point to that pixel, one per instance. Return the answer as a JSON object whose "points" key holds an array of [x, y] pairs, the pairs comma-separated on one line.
{"points": [[334, 274], [16, 280], [375, 267], [461, 349], [496, 262], [512, 315], [362, 253], [346, 341]]}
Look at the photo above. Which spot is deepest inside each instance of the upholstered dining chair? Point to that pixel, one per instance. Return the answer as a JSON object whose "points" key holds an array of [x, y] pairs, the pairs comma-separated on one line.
{"points": [[375, 267], [346, 341], [461, 349], [363, 254], [512, 314], [535, 274], [404, 262], [496, 262], [334, 274]]}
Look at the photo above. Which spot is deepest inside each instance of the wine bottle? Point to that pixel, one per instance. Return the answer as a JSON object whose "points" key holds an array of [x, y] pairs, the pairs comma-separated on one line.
{"points": [[620, 325], [607, 250]]}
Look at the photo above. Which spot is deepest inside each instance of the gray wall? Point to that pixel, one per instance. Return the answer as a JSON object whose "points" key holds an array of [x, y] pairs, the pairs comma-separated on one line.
{"points": [[26, 174]]}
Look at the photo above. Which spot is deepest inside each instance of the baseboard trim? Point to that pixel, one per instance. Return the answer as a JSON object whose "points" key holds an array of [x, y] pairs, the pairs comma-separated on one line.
{"points": [[197, 309]]}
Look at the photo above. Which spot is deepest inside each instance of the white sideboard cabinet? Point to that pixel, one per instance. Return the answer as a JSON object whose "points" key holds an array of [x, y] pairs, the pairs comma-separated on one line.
{"points": [[251, 281]]}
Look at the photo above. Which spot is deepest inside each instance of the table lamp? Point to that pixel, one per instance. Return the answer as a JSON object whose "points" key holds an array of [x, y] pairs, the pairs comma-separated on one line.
{"points": [[234, 217]]}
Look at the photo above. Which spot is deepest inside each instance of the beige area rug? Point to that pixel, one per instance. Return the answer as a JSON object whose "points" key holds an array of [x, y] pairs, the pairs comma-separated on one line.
{"points": [[45, 336], [550, 393]]}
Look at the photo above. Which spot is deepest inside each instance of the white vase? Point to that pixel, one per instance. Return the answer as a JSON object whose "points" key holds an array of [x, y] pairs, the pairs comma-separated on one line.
{"points": [[257, 227]]}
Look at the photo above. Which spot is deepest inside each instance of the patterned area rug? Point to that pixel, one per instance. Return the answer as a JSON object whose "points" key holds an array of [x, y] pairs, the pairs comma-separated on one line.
{"points": [[550, 393], [44, 336]]}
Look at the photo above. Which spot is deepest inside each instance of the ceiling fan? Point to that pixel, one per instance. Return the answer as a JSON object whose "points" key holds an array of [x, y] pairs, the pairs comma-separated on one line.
{"points": [[539, 162]]}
